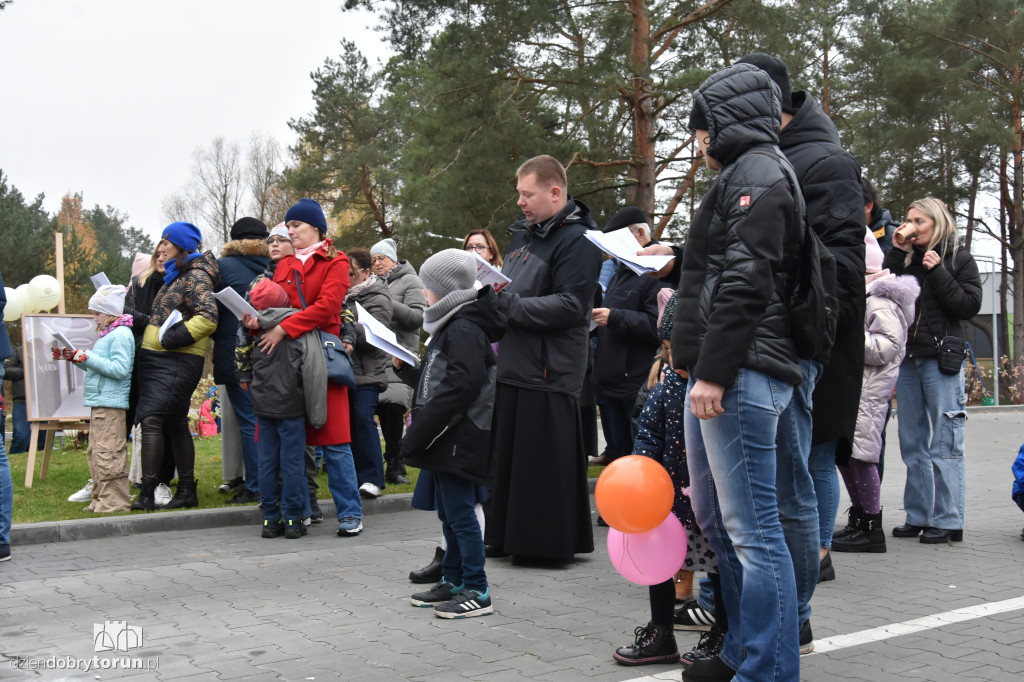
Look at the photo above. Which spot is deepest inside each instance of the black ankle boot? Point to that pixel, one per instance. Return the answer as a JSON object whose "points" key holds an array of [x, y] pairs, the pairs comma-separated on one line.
{"points": [[653, 644], [185, 496], [869, 537], [854, 515], [431, 573], [316, 514], [146, 501]]}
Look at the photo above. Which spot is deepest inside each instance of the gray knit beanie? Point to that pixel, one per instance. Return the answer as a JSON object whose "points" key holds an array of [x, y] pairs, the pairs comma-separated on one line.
{"points": [[447, 271], [385, 247]]}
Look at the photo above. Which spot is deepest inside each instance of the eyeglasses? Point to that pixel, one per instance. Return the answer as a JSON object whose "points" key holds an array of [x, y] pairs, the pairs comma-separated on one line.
{"points": [[378, 259], [479, 248], [279, 240]]}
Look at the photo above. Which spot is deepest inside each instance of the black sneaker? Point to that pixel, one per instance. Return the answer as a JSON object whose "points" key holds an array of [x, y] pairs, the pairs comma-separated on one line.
{"points": [[316, 514], [232, 487], [466, 604], [245, 496], [691, 616], [294, 530], [709, 646], [806, 638], [712, 669], [272, 529], [438, 594], [653, 644]]}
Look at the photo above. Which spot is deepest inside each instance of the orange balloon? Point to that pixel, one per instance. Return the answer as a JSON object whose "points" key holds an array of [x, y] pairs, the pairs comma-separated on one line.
{"points": [[634, 494]]}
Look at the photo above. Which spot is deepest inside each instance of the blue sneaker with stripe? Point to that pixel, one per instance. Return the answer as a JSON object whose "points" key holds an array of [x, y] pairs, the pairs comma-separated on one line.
{"points": [[466, 604]]}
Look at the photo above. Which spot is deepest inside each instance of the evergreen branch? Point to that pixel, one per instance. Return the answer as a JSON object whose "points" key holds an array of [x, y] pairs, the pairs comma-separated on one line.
{"points": [[672, 31], [677, 197], [598, 164], [672, 157]]}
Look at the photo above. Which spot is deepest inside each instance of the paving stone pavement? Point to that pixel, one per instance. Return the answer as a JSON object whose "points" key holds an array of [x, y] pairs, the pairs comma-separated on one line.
{"points": [[224, 604]]}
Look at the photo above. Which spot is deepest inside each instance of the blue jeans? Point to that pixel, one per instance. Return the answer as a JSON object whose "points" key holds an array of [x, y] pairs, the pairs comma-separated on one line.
{"points": [[369, 459], [617, 424], [282, 468], [21, 431], [456, 507], [931, 421], [241, 403], [341, 480], [798, 510], [822, 465], [758, 585], [6, 485]]}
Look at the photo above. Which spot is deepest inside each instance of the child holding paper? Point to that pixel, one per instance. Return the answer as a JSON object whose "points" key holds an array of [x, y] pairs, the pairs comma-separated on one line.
{"points": [[451, 423], [108, 377]]}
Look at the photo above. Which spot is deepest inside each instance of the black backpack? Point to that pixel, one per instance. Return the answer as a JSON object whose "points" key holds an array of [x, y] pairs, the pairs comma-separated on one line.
{"points": [[813, 303]]}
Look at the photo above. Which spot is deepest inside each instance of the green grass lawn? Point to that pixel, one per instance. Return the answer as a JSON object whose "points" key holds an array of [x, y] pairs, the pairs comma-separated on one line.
{"points": [[47, 499]]}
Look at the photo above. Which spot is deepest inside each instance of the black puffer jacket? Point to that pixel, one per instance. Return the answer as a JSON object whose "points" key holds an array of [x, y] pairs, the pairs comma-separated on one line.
{"points": [[830, 183], [554, 271], [950, 294], [369, 363], [626, 345], [454, 402], [743, 242]]}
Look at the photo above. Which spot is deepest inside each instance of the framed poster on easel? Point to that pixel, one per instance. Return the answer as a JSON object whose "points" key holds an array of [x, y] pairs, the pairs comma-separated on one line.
{"points": [[54, 389]]}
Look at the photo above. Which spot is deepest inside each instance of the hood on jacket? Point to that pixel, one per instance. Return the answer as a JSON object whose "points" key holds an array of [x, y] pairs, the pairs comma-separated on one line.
{"points": [[208, 264], [574, 211], [742, 109], [403, 268], [485, 313], [245, 248], [902, 290], [810, 123]]}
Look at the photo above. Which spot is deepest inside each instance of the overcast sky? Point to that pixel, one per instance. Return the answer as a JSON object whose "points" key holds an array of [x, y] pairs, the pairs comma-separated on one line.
{"points": [[111, 97]]}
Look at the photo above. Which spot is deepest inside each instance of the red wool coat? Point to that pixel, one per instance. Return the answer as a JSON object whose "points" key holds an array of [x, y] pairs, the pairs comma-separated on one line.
{"points": [[324, 284]]}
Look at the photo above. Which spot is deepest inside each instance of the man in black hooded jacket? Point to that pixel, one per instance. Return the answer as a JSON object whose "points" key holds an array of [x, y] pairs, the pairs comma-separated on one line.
{"points": [[830, 183]]}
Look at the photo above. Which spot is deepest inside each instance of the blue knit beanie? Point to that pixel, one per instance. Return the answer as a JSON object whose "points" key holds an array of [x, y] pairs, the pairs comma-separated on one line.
{"points": [[185, 236], [307, 211]]}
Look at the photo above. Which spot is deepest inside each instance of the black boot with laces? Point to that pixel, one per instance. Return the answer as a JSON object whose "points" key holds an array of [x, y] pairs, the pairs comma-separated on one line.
{"points": [[653, 644], [709, 646]]}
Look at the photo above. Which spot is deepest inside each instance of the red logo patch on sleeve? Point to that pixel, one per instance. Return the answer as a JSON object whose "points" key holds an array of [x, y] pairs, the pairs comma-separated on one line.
{"points": [[745, 201]]}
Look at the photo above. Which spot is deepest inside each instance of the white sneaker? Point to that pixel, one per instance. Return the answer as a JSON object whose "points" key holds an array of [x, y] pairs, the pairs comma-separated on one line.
{"points": [[83, 495], [369, 490], [162, 495]]}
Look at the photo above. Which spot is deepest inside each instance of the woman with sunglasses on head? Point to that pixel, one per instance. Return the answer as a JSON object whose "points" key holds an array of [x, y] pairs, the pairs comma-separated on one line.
{"points": [[931, 401]]}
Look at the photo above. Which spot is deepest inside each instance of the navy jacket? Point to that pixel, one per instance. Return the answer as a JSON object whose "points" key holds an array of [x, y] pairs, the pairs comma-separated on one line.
{"points": [[240, 262]]}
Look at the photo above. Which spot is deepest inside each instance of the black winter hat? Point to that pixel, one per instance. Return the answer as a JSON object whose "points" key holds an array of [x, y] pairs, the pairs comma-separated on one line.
{"points": [[249, 228], [777, 71], [626, 216]]}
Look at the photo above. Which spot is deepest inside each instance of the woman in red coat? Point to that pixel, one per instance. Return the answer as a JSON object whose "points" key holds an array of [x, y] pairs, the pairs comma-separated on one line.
{"points": [[322, 272]]}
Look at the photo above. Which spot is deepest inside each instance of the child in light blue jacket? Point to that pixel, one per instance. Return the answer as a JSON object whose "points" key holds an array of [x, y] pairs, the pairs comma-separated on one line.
{"points": [[108, 375]]}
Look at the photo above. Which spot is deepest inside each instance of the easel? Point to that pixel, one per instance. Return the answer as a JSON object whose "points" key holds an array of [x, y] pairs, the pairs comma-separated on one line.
{"points": [[51, 427]]}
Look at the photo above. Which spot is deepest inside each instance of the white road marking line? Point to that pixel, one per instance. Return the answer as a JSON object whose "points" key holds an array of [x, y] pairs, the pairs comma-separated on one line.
{"points": [[909, 627]]}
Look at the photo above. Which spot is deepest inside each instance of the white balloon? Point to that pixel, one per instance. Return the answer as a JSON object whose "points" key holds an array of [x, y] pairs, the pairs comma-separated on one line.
{"points": [[28, 302], [46, 292], [12, 311]]}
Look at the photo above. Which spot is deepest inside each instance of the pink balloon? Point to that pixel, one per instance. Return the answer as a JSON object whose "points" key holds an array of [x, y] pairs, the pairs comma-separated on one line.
{"points": [[649, 558]]}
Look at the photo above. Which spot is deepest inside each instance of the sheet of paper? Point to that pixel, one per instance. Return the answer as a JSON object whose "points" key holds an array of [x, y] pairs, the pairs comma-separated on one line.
{"points": [[379, 336], [488, 274], [64, 341], [623, 246], [174, 318], [99, 279], [235, 303]]}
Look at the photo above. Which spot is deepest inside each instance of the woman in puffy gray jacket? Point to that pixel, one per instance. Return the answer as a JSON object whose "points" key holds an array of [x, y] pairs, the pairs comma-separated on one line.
{"points": [[889, 312]]}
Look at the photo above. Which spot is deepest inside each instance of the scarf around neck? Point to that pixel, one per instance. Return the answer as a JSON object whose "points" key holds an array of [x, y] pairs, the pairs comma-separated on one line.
{"points": [[435, 317], [356, 288], [122, 321], [171, 272], [304, 254]]}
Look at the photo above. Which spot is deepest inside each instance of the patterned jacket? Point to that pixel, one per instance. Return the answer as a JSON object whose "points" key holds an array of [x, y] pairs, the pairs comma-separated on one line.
{"points": [[191, 294]]}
